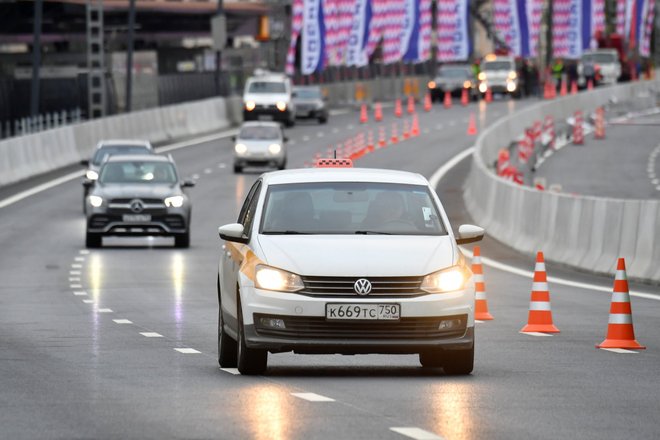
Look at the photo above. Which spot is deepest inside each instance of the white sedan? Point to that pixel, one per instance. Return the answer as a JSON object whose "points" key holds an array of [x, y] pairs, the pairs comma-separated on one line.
{"points": [[345, 260]]}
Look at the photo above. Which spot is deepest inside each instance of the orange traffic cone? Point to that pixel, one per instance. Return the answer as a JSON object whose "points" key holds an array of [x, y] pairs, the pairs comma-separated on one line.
{"points": [[481, 303], [427, 102], [464, 97], [414, 131], [489, 95], [397, 108], [574, 88], [599, 124], [363, 114], [447, 101], [562, 90], [546, 91], [540, 315], [406, 131], [382, 142], [578, 131], [590, 84], [378, 112], [370, 141], [395, 137], [472, 126], [620, 331], [411, 104]]}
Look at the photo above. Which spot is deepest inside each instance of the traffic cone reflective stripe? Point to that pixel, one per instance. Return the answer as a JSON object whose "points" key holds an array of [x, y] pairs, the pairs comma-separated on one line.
{"points": [[464, 97], [620, 329], [378, 112], [427, 102], [481, 303], [363, 114], [397, 108], [411, 104], [540, 313]]}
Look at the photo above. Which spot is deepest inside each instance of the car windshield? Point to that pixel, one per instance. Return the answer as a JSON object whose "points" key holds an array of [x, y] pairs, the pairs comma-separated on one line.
{"points": [[138, 172], [599, 58], [454, 72], [259, 133], [104, 152], [497, 65], [350, 208], [308, 93], [266, 87]]}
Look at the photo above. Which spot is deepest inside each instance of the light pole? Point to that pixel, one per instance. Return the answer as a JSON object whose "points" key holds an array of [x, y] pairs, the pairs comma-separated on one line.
{"points": [[129, 55], [36, 58]]}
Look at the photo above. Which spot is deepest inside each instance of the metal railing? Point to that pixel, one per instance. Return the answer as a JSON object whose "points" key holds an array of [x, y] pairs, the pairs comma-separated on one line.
{"points": [[35, 124]]}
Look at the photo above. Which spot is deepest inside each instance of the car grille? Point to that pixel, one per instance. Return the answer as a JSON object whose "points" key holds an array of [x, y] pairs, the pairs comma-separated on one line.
{"points": [[99, 221], [318, 327], [175, 222], [124, 200], [344, 286]]}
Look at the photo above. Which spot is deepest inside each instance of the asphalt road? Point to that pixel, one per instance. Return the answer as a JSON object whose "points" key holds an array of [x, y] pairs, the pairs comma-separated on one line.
{"points": [[88, 340]]}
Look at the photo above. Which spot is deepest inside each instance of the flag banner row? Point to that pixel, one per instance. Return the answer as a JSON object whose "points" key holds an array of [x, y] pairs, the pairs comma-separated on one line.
{"points": [[634, 21], [575, 24]]}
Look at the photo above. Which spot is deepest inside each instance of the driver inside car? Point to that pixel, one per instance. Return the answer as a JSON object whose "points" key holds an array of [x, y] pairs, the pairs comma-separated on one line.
{"points": [[387, 208]]}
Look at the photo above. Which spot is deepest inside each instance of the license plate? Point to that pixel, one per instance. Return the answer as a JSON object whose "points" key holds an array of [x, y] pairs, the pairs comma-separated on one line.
{"points": [[265, 117], [362, 312], [136, 218]]}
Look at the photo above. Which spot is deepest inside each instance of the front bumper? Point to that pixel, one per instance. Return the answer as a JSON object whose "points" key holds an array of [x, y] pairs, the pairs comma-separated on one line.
{"points": [[169, 221], [267, 113], [416, 331]]}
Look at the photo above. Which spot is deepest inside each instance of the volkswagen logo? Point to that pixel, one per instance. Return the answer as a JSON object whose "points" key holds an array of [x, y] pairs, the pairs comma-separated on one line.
{"points": [[362, 286], [136, 206]]}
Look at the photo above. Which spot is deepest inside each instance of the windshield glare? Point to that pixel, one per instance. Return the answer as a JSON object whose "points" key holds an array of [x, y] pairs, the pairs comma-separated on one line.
{"points": [[497, 65], [266, 87], [350, 208], [104, 152], [138, 172], [259, 133]]}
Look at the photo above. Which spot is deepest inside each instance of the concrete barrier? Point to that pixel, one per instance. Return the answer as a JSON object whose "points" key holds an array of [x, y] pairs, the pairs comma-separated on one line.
{"points": [[587, 233]]}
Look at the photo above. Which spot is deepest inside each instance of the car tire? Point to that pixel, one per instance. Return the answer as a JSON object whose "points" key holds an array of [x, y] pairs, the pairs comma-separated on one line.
{"points": [[323, 120], [458, 362], [227, 347], [238, 169], [250, 361], [431, 359], [182, 240], [93, 240]]}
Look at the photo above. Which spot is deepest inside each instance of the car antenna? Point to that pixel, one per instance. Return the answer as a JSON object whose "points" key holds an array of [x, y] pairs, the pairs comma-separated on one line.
{"points": [[335, 154]]}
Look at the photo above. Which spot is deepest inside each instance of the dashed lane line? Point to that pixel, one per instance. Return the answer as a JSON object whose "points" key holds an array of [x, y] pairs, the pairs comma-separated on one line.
{"points": [[312, 397], [451, 163], [76, 266], [79, 259], [535, 334], [151, 335], [620, 350], [122, 321], [76, 286], [74, 272], [187, 351], [88, 301], [79, 293], [208, 171], [233, 371], [104, 311], [83, 252], [416, 433], [74, 279]]}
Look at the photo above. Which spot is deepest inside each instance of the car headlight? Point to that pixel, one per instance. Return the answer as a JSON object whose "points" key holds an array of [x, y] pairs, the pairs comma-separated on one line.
{"points": [[431, 84], [483, 87], [511, 86], [174, 202], [95, 201], [274, 148], [270, 278], [281, 105], [447, 280], [482, 76], [467, 84], [250, 105], [240, 148], [513, 75], [91, 175]]}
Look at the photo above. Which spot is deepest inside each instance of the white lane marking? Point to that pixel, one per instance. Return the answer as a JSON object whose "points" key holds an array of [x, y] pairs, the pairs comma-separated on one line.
{"points": [[292, 142], [76, 266], [104, 311], [233, 371], [335, 130], [88, 301], [312, 397], [151, 335], [435, 180], [416, 433], [195, 176], [72, 279], [208, 171], [479, 322], [74, 272], [83, 252], [535, 334], [76, 286], [305, 138], [619, 350], [350, 126], [79, 293], [187, 350], [222, 165], [40, 188], [122, 321], [320, 134], [452, 123], [79, 258]]}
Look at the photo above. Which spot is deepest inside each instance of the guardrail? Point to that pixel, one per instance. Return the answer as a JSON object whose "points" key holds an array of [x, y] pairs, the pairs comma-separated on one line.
{"points": [[587, 233]]}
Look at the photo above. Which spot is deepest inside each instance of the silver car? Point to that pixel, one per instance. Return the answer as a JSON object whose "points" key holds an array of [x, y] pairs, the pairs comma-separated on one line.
{"points": [[260, 144], [310, 103]]}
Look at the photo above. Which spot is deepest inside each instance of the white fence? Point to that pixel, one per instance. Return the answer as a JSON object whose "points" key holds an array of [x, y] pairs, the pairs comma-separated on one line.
{"points": [[588, 233]]}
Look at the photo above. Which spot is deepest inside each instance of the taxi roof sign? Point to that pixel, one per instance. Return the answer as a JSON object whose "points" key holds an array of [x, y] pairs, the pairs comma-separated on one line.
{"points": [[334, 163]]}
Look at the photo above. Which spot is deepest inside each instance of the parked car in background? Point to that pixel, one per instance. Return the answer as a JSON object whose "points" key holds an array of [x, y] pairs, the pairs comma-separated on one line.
{"points": [[600, 66], [310, 103], [259, 144], [453, 78]]}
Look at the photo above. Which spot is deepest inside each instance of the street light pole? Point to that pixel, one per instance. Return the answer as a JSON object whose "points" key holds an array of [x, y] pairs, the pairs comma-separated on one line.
{"points": [[218, 53], [129, 56], [36, 58]]}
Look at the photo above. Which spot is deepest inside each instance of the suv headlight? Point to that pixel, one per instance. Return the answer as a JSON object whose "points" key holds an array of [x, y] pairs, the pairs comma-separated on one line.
{"points": [[270, 278], [281, 105], [240, 148], [447, 280], [250, 105], [174, 202], [481, 76], [513, 75], [95, 201], [274, 148], [91, 175]]}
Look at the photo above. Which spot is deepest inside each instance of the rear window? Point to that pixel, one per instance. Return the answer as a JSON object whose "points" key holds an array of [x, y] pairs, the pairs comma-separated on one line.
{"points": [[257, 133], [104, 152], [266, 87]]}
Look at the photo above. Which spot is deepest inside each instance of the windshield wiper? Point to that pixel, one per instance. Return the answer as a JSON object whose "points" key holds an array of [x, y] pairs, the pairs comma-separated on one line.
{"points": [[286, 233], [373, 233]]}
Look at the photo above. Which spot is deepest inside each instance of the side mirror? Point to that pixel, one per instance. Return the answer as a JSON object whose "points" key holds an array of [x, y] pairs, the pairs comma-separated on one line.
{"points": [[469, 234], [188, 183], [84, 163], [232, 232], [88, 183]]}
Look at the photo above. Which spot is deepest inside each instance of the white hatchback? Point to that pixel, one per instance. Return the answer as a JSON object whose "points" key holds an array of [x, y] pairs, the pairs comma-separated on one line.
{"points": [[345, 260]]}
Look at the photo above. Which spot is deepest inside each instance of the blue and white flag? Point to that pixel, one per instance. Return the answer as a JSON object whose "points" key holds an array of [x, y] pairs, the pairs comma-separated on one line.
{"points": [[313, 37], [410, 31], [417, 31], [453, 35], [356, 50]]}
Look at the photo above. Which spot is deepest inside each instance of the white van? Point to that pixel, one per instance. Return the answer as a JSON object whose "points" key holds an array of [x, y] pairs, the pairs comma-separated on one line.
{"points": [[268, 97]]}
